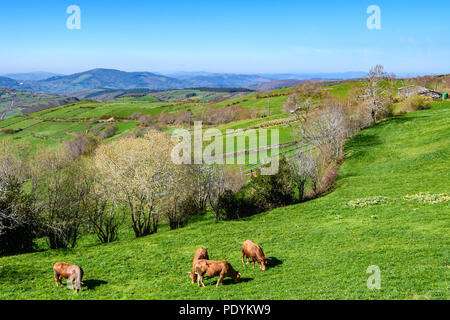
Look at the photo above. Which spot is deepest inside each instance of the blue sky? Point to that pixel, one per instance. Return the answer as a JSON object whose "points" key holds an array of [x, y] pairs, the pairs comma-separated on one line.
{"points": [[244, 36]]}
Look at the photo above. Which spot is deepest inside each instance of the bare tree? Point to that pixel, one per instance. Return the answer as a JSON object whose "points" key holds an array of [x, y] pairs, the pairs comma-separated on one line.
{"points": [[109, 131], [166, 118], [145, 120], [306, 165], [376, 94], [101, 205], [215, 186], [20, 220], [140, 172], [299, 166], [60, 192], [82, 144], [216, 180], [326, 130], [446, 81], [183, 117], [199, 184], [303, 109]]}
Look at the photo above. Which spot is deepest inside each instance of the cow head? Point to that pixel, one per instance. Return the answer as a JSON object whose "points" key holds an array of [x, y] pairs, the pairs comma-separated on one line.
{"points": [[193, 276], [263, 263], [238, 277], [75, 279]]}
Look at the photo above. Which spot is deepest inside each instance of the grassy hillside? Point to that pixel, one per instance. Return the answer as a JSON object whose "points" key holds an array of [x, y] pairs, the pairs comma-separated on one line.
{"points": [[51, 127], [18, 102], [321, 249]]}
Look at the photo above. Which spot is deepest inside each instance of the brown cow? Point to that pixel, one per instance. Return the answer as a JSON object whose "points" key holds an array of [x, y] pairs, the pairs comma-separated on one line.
{"points": [[222, 269], [255, 253], [68, 271], [201, 253]]}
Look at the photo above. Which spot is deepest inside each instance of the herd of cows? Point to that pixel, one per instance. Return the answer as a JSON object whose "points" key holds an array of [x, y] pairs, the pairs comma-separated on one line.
{"points": [[201, 265]]}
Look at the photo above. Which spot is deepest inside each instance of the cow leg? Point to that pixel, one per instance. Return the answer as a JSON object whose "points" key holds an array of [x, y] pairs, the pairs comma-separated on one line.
{"points": [[243, 254], [56, 278], [200, 280], [253, 260], [219, 281]]}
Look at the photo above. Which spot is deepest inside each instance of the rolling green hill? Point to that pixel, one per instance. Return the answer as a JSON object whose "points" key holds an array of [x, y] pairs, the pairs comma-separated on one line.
{"points": [[321, 249], [53, 126], [18, 102]]}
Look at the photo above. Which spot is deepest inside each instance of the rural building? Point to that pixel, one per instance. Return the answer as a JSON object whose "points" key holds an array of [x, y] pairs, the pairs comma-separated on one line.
{"points": [[412, 90]]}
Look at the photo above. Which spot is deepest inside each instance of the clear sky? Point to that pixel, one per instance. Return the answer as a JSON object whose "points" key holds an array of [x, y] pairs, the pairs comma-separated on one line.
{"points": [[245, 36]]}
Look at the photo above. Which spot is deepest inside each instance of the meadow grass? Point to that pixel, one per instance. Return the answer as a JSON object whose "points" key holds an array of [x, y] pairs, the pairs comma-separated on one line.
{"points": [[321, 249], [112, 108], [53, 126]]}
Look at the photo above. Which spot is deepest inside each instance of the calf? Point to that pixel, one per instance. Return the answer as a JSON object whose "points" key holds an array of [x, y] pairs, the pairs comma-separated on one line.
{"points": [[222, 269], [201, 253], [255, 253], [68, 271]]}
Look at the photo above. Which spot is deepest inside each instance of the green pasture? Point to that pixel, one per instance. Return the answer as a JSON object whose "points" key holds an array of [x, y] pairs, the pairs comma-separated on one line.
{"points": [[320, 249]]}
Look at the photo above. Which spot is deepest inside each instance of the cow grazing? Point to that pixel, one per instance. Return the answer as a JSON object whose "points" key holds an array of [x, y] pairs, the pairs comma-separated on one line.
{"points": [[201, 253], [68, 271], [222, 269], [255, 253]]}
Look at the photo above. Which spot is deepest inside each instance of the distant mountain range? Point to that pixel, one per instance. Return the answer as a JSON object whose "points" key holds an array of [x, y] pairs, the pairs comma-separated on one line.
{"points": [[100, 78], [116, 79], [8, 82], [184, 75], [318, 76], [31, 76], [277, 84]]}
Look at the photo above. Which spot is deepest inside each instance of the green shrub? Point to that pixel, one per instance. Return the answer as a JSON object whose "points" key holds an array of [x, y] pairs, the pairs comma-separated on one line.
{"points": [[179, 213], [9, 131], [20, 223], [236, 205], [81, 145], [413, 103], [109, 131], [272, 191], [98, 128]]}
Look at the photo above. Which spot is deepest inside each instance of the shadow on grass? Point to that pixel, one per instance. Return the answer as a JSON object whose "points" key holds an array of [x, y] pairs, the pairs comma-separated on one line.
{"points": [[402, 119], [92, 284], [364, 140], [273, 262], [231, 281], [11, 276]]}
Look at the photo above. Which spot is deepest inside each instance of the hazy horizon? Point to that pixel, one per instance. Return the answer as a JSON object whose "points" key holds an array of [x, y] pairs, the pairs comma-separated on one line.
{"points": [[174, 73]]}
